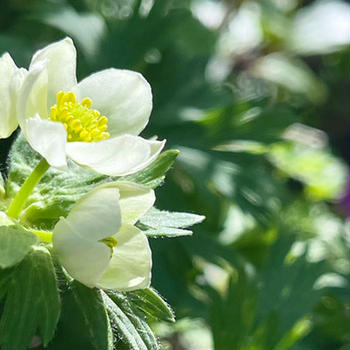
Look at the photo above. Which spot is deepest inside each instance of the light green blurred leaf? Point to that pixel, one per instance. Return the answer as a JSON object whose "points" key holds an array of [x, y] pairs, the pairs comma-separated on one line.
{"points": [[292, 74], [323, 174], [87, 29]]}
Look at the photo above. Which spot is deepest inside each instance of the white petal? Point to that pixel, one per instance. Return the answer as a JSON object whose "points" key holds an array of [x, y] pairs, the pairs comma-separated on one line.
{"points": [[131, 263], [32, 96], [86, 261], [135, 200], [49, 139], [15, 88], [123, 96], [117, 156], [60, 59], [97, 214], [8, 120]]}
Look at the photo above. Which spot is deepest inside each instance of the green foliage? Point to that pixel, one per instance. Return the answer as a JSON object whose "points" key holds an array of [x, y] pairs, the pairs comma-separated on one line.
{"points": [[32, 302], [229, 102], [129, 324], [268, 308], [57, 192], [95, 315]]}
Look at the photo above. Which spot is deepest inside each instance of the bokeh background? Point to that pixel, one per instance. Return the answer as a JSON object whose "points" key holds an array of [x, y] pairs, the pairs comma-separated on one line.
{"points": [[255, 95]]}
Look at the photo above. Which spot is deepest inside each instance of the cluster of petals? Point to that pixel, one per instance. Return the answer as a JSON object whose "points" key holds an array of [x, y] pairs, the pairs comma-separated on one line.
{"points": [[108, 212], [124, 97]]}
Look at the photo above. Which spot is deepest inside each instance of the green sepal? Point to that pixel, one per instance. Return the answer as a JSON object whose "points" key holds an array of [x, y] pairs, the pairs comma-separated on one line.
{"points": [[153, 175], [152, 304], [157, 223], [15, 243]]}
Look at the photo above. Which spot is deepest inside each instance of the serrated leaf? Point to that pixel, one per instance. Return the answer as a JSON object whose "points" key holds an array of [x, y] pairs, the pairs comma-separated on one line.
{"points": [[153, 175], [32, 304], [163, 223], [130, 326], [95, 315], [152, 304], [15, 243], [165, 232]]}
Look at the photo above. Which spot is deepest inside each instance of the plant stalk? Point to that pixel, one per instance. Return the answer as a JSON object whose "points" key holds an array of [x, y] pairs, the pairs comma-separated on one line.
{"points": [[27, 188]]}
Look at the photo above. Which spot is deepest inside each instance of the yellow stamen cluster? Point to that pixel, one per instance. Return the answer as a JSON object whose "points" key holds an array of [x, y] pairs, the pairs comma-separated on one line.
{"points": [[81, 122]]}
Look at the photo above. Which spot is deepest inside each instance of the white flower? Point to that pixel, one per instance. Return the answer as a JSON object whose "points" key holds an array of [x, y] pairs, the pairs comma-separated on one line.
{"points": [[98, 244], [94, 122], [11, 78]]}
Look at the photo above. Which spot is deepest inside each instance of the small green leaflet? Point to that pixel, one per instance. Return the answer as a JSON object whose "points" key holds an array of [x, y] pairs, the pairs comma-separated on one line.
{"points": [[75, 328], [153, 175], [129, 322], [32, 304], [163, 223], [95, 315], [152, 304], [15, 243]]}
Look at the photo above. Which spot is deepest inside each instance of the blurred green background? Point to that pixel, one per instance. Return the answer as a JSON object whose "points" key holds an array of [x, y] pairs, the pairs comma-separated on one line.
{"points": [[255, 96]]}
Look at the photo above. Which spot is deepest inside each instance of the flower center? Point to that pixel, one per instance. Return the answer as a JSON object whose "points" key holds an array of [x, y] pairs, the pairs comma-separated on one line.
{"points": [[110, 242], [81, 122]]}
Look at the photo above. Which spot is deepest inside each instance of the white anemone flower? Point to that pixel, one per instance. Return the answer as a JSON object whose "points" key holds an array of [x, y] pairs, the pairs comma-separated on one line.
{"points": [[94, 122], [98, 244], [10, 83]]}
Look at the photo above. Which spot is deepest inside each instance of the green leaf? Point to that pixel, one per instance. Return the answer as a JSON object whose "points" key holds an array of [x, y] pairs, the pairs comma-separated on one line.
{"points": [[4, 280], [152, 304], [95, 315], [129, 323], [32, 304], [313, 166], [71, 333], [153, 175], [15, 243], [163, 223]]}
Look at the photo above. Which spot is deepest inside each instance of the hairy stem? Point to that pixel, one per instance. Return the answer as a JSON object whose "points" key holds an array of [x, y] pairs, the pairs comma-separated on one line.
{"points": [[27, 188]]}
